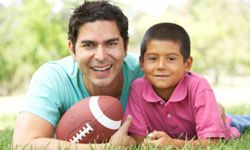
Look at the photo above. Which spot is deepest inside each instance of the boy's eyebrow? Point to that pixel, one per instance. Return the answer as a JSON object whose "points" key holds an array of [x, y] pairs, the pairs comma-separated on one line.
{"points": [[152, 53], [173, 53]]}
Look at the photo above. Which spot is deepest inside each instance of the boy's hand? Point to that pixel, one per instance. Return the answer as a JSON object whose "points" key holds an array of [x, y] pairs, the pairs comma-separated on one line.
{"points": [[121, 139], [157, 139], [222, 112]]}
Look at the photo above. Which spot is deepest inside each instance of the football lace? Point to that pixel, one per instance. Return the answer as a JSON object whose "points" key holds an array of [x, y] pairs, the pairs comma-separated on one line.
{"points": [[81, 134]]}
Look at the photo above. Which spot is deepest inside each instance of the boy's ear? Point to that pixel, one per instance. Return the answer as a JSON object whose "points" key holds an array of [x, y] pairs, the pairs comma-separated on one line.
{"points": [[141, 63], [71, 49], [188, 64]]}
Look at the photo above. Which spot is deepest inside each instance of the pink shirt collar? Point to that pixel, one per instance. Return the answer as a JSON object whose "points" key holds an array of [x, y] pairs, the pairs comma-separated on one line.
{"points": [[179, 93]]}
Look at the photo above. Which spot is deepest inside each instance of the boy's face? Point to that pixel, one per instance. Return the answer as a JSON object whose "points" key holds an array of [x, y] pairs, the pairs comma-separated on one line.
{"points": [[99, 51], [164, 66]]}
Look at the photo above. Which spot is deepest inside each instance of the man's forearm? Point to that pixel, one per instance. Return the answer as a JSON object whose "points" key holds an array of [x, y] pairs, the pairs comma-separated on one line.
{"points": [[53, 144]]}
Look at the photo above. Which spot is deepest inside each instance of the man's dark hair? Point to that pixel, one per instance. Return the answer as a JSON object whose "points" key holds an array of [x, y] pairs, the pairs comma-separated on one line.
{"points": [[170, 32], [91, 11]]}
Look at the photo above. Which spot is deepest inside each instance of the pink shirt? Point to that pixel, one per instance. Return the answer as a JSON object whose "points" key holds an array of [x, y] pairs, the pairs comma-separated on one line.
{"points": [[190, 112]]}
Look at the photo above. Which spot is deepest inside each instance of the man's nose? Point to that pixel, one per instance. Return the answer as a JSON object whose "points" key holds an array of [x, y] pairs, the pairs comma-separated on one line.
{"points": [[100, 53]]}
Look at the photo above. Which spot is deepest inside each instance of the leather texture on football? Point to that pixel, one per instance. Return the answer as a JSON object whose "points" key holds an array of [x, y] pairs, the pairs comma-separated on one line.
{"points": [[91, 120]]}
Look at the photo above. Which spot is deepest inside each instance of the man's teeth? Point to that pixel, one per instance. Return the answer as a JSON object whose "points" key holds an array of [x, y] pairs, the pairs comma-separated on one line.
{"points": [[101, 69]]}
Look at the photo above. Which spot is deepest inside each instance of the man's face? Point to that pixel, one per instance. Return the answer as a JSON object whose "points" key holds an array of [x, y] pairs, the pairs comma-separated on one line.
{"points": [[99, 51]]}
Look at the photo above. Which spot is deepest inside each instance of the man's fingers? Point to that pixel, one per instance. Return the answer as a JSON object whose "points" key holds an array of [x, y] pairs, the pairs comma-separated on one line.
{"points": [[125, 125]]}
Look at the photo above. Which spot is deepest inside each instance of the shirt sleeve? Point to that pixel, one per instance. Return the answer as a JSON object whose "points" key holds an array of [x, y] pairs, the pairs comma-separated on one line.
{"points": [[209, 123], [43, 96], [134, 108]]}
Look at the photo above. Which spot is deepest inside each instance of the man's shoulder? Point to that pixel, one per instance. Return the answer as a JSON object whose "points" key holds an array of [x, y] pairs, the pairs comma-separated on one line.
{"points": [[64, 66], [132, 60], [132, 65]]}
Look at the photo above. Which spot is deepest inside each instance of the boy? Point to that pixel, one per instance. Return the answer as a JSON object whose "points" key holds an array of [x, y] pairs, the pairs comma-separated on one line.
{"points": [[176, 105]]}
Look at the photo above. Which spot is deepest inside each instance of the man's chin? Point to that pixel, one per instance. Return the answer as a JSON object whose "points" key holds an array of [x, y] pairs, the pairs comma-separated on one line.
{"points": [[102, 83]]}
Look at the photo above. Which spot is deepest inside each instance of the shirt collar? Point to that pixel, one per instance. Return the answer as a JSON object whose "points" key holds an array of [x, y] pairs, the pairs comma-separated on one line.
{"points": [[179, 93], [149, 93]]}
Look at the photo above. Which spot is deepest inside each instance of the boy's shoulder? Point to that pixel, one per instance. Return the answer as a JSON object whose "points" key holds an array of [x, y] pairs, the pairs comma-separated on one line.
{"points": [[192, 80], [194, 77], [140, 81]]}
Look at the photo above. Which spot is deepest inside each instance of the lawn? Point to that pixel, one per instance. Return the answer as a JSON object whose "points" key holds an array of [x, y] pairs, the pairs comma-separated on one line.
{"points": [[8, 122], [6, 130]]}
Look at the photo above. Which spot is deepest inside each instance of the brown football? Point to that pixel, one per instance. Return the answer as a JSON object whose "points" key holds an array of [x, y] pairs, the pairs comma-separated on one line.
{"points": [[91, 120]]}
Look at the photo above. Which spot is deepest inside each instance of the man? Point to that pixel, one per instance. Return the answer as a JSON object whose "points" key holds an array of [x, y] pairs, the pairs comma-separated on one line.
{"points": [[98, 65]]}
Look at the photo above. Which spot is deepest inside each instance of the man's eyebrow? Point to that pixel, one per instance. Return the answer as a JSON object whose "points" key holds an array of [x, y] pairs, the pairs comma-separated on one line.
{"points": [[87, 41], [106, 41], [111, 40]]}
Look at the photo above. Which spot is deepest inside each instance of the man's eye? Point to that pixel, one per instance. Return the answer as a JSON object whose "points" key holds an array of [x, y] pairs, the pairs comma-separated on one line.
{"points": [[112, 43], [87, 45]]}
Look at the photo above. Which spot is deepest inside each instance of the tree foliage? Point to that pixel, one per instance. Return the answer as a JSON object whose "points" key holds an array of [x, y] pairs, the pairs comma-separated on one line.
{"points": [[219, 32], [220, 36], [33, 32]]}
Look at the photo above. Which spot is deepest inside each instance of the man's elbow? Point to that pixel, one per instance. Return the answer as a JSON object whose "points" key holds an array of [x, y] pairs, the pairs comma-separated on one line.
{"points": [[21, 142]]}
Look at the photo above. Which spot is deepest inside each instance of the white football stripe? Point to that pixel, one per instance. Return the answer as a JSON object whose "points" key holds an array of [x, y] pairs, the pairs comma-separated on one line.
{"points": [[100, 116]]}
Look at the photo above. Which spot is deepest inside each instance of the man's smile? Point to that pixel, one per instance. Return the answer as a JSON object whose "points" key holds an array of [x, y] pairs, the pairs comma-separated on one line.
{"points": [[100, 69]]}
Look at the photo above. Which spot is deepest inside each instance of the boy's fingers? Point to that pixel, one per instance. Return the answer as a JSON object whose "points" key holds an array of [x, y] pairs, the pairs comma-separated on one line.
{"points": [[156, 135]]}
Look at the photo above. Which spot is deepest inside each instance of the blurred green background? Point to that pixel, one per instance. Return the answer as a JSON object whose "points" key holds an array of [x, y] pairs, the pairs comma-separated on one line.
{"points": [[33, 32]]}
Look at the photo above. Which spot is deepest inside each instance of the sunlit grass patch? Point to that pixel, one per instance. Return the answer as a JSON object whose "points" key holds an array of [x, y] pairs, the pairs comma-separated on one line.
{"points": [[8, 123]]}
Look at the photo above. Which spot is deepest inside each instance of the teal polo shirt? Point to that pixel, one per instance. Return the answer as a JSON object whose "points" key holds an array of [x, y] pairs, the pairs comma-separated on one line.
{"points": [[57, 85]]}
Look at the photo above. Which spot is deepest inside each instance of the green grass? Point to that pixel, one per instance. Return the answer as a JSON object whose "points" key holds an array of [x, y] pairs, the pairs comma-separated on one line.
{"points": [[6, 130], [241, 109], [8, 122], [5, 138]]}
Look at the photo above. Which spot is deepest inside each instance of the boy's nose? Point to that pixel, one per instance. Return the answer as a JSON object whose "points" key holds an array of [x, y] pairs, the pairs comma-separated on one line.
{"points": [[161, 63]]}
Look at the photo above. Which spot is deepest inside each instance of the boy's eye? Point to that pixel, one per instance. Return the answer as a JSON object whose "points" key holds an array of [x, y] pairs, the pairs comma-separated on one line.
{"points": [[171, 58], [152, 58]]}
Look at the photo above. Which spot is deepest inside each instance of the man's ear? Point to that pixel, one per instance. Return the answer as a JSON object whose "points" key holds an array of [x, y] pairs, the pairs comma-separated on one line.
{"points": [[71, 49], [126, 48], [188, 64]]}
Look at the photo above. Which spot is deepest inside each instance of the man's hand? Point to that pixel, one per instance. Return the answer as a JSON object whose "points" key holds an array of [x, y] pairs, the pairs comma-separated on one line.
{"points": [[121, 139], [158, 139]]}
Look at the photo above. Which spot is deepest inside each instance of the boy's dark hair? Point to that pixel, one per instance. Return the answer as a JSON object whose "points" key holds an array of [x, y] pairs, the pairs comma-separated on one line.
{"points": [[170, 32], [91, 11]]}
